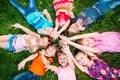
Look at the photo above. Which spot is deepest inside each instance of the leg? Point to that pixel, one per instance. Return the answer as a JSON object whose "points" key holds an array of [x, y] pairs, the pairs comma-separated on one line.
{"points": [[20, 8], [4, 38], [31, 7], [106, 5], [25, 11], [6, 42], [23, 76]]}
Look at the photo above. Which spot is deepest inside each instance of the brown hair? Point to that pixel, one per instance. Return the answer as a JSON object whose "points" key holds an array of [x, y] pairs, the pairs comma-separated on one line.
{"points": [[60, 53], [79, 41]]}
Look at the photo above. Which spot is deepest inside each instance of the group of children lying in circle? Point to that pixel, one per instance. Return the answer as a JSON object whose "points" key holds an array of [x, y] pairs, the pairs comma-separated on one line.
{"points": [[89, 44]]}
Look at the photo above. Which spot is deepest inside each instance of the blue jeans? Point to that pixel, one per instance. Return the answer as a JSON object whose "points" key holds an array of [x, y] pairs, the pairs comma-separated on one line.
{"points": [[106, 5], [91, 14], [26, 76], [25, 10]]}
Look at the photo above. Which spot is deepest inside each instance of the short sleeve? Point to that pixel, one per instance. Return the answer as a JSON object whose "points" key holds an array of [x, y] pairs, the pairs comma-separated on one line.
{"points": [[51, 60]]}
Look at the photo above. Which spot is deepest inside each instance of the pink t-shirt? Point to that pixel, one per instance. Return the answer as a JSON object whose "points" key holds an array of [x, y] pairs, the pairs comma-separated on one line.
{"points": [[107, 42], [67, 73]]}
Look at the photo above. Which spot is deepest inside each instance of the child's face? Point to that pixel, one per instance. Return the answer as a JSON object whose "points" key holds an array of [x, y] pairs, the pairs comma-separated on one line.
{"points": [[87, 42], [43, 42], [63, 60], [82, 59], [73, 29], [50, 51]]}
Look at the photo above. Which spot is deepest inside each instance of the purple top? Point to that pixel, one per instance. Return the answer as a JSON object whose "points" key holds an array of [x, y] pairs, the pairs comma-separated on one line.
{"points": [[101, 71]]}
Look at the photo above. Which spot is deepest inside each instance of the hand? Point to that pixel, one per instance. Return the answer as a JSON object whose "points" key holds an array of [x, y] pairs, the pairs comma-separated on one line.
{"points": [[62, 43], [56, 35], [80, 22], [65, 39], [69, 6], [45, 11], [16, 25], [21, 65], [65, 49], [49, 67]]}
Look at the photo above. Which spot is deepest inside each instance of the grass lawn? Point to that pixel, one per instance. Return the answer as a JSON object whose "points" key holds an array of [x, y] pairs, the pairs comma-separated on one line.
{"points": [[9, 15]]}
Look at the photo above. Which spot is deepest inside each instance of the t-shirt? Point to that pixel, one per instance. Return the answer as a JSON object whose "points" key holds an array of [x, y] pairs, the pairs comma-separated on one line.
{"points": [[67, 73], [38, 21], [38, 67]]}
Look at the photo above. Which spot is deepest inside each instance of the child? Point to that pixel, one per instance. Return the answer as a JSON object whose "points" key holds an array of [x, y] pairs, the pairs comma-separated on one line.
{"points": [[37, 67], [66, 70], [62, 18], [96, 68], [91, 14], [96, 42], [33, 17], [19, 42], [60, 7]]}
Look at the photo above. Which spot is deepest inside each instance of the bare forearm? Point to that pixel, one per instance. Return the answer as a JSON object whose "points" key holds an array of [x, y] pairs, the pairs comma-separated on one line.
{"points": [[64, 27], [28, 31], [82, 36], [46, 62], [84, 48], [48, 17], [31, 57]]}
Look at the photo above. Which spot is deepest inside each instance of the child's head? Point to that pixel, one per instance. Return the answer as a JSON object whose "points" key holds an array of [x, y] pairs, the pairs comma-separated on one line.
{"points": [[44, 41], [51, 50], [62, 59], [82, 58], [86, 42], [74, 28]]}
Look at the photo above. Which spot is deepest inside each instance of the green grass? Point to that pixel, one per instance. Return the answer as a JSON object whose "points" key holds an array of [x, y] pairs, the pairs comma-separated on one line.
{"points": [[9, 15]]}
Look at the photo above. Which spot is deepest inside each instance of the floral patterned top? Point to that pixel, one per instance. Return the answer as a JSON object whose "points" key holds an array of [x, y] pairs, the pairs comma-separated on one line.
{"points": [[101, 71]]}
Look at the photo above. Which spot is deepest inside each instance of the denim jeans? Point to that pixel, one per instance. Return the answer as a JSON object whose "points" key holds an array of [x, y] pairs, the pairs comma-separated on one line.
{"points": [[25, 10], [26, 76], [106, 5]]}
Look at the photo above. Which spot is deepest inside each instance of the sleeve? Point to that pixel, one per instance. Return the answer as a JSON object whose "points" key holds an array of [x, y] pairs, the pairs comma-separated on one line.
{"points": [[51, 60]]}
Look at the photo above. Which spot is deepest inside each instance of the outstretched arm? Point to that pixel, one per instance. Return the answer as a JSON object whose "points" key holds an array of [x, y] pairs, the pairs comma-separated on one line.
{"points": [[84, 36], [55, 34], [28, 31], [82, 68], [84, 48], [56, 25], [45, 61], [69, 10], [64, 27], [65, 49], [78, 46], [52, 68], [45, 12], [23, 62]]}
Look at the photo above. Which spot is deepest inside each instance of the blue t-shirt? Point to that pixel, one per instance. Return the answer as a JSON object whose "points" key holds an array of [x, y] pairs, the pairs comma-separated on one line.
{"points": [[38, 21]]}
